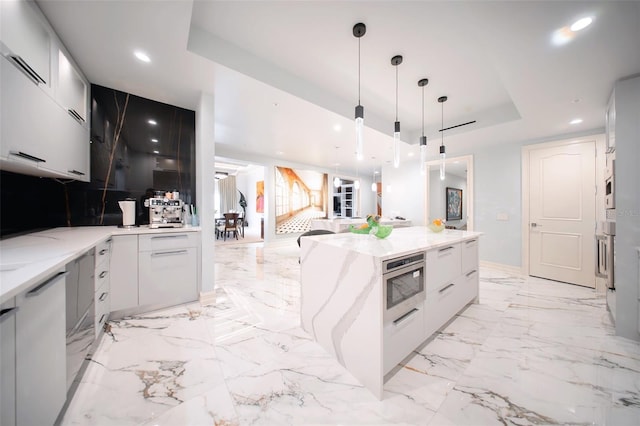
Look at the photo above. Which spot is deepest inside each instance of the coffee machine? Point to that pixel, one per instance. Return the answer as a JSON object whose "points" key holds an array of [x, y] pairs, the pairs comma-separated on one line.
{"points": [[164, 212]]}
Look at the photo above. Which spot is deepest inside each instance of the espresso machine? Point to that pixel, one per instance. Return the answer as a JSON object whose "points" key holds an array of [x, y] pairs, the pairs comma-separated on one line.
{"points": [[164, 212]]}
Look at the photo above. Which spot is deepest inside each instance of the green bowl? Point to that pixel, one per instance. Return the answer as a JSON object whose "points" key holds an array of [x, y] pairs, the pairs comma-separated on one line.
{"points": [[435, 228]]}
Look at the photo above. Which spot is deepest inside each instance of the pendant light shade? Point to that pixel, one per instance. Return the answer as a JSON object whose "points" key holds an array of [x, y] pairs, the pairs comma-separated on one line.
{"points": [[374, 186], [423, 138], [359, 30], [336, 182], [395, 61], [443, 156]]}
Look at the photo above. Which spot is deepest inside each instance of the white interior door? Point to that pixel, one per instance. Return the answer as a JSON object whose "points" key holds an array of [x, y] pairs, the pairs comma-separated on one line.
{"points": [[562, 213]]}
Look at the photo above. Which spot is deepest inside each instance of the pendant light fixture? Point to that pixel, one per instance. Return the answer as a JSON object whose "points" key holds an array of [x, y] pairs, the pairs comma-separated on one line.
{"points": [[423, 139], [374, 186], [442, 100], [359, 30], [395, 61]]}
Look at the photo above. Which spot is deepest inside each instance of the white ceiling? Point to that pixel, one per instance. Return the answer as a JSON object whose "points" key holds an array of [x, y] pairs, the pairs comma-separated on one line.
{"points": [[283, 74]]}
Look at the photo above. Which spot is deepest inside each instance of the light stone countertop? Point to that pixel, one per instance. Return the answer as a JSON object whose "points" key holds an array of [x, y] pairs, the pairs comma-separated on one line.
{"points": [[401, 241], [27, 259]]}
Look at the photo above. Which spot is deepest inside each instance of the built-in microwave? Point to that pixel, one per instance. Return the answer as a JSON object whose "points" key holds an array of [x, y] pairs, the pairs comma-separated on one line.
{"points": [[609, 183], [404, 285]]}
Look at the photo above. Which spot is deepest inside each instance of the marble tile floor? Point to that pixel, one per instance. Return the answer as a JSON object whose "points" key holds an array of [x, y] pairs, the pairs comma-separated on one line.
{"points": [[532, 352]]}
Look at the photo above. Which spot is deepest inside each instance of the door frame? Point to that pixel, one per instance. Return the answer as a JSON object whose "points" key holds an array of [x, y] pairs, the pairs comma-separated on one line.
{"points": [[526, 152], [468, 160]]}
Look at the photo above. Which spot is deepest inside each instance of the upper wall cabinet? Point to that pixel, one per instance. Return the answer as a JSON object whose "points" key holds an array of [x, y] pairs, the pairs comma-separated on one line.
{"points": [[44, 99], [72, 89], [25, 40]]}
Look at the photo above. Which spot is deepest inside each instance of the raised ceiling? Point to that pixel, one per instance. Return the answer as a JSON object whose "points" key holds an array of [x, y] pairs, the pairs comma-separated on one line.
{"points": [[284, 74]]}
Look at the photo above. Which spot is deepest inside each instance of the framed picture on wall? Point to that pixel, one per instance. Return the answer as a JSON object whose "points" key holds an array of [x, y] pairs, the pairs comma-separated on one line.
{"points": [[454, 204]]}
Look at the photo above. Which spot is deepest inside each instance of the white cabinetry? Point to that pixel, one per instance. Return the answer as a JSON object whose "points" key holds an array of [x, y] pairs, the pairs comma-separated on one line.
{"points": [[26, 40], [8, 363], [124, 272], [452, 282], [402, 336], [44, 129], [168, 269], [102, 276], [41, 352], [154, 270]]}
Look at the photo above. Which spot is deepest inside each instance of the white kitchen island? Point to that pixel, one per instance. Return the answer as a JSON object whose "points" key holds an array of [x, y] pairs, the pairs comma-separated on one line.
{"points": [[343, 299]]}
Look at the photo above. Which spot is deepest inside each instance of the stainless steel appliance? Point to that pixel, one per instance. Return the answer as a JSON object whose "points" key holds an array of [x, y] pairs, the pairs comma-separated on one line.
{"points": [[605, 252], [165, 212], [609, 183], [403, 280]]}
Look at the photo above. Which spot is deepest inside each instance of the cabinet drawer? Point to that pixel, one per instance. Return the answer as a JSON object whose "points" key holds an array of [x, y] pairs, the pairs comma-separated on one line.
{"points": [[103, 252], [168, 276], [402, 336], [469, 255], [445, 303], [168, 241], [443, 266], [101, 276]]}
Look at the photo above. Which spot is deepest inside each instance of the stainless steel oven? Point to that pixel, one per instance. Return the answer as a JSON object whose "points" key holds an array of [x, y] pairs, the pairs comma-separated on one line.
{"points": [[605, 252], [403, 280]]}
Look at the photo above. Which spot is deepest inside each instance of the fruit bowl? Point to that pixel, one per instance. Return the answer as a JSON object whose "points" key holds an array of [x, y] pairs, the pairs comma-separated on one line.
{"points": [[436, 225]]}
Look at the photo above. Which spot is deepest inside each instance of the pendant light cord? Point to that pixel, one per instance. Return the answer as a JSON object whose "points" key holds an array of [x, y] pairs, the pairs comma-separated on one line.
{"points": [[358, 70], [422, 110], [396, 92], [442, 126]]}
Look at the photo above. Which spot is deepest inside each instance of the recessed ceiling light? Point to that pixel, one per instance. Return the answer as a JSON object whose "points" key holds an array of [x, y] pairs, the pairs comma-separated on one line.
{"points": [[410, 154], [142, 56], [337, 127], [576, 121], [581, 24], [279, 153], [156, 152], [154, 140], [152, 122]]}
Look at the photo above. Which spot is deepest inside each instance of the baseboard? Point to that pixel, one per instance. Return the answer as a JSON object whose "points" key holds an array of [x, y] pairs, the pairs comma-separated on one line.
{"points": [[208, 298], [516, 270]]}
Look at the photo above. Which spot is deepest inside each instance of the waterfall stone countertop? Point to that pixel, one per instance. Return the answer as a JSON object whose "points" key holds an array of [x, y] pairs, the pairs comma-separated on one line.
{"points": [[27, 259], [401, 241]]}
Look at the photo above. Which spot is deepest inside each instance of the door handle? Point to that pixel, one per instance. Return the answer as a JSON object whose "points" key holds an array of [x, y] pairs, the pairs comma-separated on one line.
{"points": [[534, 225]]}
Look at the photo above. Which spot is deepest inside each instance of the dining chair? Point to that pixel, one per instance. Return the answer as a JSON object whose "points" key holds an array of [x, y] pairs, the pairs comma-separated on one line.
{"points": [[230, 225]]}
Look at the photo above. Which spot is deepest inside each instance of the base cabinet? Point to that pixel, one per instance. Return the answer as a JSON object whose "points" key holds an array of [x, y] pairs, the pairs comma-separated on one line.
{"points": [[154, 270], [8, 363], [41, 388]]}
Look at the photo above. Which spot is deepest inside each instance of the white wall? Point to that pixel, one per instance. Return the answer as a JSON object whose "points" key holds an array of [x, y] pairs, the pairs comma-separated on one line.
{"points": [[627, 196], [403, 192], [246, 182], [437, 196]]}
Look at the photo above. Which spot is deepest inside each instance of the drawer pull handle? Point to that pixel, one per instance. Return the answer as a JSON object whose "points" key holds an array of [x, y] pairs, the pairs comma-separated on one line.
{"points": [[103, 252], [75, 172], [405, 317], [6, 312], [442, 290], [471, 273], [39, 289], [103, 296], [162, 237], [103, 274], [470, 242], [169, 253], [446, 249], [28, 156], [30, 72], [102, 318]]}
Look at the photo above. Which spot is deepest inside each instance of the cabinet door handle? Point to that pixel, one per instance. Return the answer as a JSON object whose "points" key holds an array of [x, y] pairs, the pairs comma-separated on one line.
{"points": [[164, 237], [470, 242], [5, 313], [75, 172], [168, 253], [101, 318], [103, 274], [72, 112], [442, 290], [25, 68], [103, 296], [103, 252], [39, 289], [28, 156], [471, 273], [405, 317]]}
